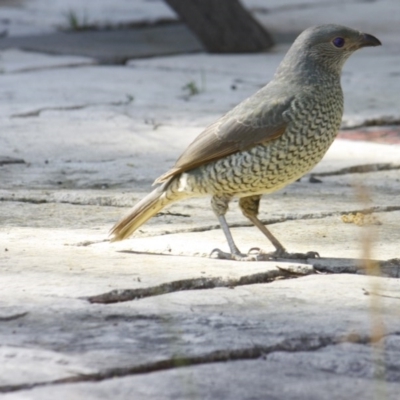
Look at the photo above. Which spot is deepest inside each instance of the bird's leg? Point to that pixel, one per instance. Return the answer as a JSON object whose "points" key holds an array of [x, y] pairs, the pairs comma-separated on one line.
{"points": [[235, 252], [250, 206], [219, 205]]}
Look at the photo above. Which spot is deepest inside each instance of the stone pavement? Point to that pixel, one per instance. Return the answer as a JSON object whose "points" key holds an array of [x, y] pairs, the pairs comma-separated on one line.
{"points": [[154, 317]]}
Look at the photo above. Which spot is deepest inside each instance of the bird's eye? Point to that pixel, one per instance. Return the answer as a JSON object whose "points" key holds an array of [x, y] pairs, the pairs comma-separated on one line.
{"points": [[338, 42]]}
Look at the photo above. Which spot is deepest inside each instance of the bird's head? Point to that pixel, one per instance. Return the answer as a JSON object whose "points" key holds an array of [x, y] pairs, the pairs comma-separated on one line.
{"points": [[327, 47]]}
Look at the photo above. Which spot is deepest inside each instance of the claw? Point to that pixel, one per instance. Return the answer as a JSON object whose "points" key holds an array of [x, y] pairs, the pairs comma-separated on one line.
{"points": [[256, 250], [222, 255], [261, 255], [293, 256], [257, 254], [313, 254]]}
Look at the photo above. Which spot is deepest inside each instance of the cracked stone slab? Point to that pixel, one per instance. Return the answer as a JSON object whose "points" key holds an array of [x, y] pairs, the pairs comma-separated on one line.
{"points": [[75, 234], [61, 89], [280, 379], [93, 139], [127, 338], [283, 269], [66, 279]]}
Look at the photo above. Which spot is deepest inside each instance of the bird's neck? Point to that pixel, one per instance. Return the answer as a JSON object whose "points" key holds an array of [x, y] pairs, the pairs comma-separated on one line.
{"points": [[305, 70]]}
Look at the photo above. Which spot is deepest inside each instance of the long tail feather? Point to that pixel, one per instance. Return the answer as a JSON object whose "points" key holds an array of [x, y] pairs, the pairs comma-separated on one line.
{"points": [[141, 212]]}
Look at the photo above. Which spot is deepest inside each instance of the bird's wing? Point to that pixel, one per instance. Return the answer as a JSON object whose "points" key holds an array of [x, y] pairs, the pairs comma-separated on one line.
{"points": [[252, 122]]}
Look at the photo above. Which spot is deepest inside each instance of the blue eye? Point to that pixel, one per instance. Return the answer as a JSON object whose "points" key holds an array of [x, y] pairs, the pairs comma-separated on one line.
{"points": [[338, 42]]}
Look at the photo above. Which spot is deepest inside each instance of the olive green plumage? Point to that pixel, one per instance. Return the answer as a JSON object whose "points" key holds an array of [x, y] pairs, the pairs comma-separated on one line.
{"points": [[266, 142]]}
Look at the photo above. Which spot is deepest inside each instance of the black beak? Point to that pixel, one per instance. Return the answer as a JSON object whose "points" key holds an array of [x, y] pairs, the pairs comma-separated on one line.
{"points": [[368, 40]]}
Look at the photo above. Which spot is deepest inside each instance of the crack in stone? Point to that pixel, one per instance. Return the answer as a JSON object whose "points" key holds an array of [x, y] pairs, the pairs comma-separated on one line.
{"points": [[360, 169], [111, 26], [372, 122], [173, 214], [102, 201], [4, 160], [87, 243], [13, 317], [88, 63], [296, 344], [36, 113], [294, 269], [384, 268], [121, 295]]}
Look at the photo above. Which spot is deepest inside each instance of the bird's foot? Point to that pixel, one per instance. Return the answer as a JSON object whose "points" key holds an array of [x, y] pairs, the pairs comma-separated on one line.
{"points": [[237, 256], [256, 254], [280, 254]]}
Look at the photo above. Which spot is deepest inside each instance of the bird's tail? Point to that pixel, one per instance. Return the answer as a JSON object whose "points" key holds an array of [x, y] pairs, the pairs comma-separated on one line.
{"points": [[142, 212]]}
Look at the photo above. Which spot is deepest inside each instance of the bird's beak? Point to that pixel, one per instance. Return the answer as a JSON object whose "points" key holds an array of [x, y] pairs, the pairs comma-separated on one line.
{"points": [[368, 40]]}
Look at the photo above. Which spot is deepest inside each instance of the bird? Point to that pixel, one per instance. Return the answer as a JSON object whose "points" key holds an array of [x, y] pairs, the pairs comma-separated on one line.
{"points": [[266, 142]]}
